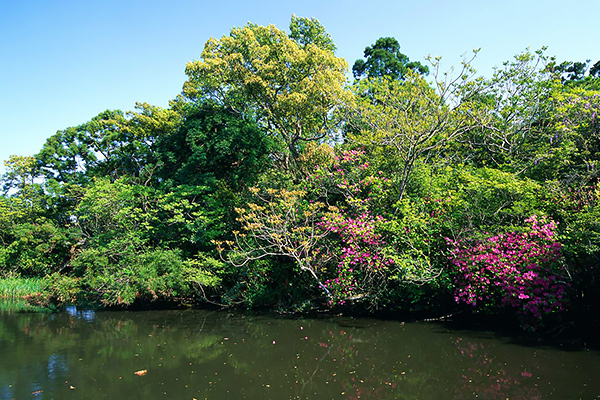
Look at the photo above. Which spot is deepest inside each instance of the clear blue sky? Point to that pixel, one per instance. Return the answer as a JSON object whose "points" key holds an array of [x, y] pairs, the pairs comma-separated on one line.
{"points": [[63, 62]]}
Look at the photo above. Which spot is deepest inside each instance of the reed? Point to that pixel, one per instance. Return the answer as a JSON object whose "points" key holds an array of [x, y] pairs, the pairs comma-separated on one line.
{"points": [[15, 287]]}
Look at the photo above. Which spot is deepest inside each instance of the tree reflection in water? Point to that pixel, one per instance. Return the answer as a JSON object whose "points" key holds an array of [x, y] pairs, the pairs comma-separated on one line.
{"points": [[220, 355]]}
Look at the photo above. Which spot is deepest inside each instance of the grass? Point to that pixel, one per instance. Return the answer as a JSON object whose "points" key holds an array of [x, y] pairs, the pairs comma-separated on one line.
{"points": [[14, 289]]}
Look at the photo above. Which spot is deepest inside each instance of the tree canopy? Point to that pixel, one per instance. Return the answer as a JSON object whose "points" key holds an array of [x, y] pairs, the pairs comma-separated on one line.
{"points": [[291, 85], [385, 59]]}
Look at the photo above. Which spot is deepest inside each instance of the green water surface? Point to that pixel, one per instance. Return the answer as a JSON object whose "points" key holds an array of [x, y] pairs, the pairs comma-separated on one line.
{"points": [[218, 355]]}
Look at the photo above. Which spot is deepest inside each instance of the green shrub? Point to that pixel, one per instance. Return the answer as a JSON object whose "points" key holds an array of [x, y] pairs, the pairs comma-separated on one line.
{"points": [[147, 276], [57, 289]]}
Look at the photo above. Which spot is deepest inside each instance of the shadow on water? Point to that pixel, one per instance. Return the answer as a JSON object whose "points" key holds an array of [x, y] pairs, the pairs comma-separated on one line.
{"points": [[222, 355], [572, 334]]}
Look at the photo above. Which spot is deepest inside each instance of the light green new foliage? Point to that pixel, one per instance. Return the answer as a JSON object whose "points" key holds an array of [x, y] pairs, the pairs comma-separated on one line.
{"points": [[517, 97], [20, 172], [574, 147], [411, 117]]}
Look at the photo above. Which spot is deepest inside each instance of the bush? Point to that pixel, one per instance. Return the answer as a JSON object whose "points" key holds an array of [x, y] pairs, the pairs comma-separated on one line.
{"points": [[149, 276], [519, 271], [60, 290]]}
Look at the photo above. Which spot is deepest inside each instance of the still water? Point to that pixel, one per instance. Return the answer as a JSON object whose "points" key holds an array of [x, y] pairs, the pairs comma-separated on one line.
{"points": [[218, 355]]}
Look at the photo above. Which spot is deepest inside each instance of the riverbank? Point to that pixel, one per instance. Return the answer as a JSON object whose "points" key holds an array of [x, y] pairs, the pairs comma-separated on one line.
{"points": [[15, 292], [572, 329]]}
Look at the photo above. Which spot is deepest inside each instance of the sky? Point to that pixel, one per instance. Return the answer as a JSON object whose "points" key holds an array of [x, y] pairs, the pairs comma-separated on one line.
{"points": [[63, 62]]}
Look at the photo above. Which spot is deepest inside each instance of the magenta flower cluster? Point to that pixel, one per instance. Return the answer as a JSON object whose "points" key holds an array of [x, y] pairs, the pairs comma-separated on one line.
{"points": [[514, 270], [353, 241], [361, 260]]}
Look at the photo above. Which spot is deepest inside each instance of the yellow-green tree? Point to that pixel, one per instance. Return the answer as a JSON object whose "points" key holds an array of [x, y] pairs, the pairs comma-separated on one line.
{"points": [[574, 148], [290, 84], [23, 194], [20, 172]]}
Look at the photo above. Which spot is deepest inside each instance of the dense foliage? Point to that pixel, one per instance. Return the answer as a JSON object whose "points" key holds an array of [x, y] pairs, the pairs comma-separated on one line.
{"points": [[516, 270], [272, 180]]}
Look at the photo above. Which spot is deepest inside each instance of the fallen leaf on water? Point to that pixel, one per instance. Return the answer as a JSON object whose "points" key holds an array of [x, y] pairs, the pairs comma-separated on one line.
{"points": [[141, 372]]}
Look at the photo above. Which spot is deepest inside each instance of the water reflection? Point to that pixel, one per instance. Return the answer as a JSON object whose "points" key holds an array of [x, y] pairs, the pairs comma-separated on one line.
{"points": [[489, 377], [216, 355], [86, 315]]}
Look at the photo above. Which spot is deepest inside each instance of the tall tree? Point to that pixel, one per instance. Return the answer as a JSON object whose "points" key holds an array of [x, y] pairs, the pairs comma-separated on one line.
{"points": [[291, 86], [385, 59], [113, 144], [517, 97], [21, 171], [213, 144], [307, 31], [75, 153], [595, 70]]}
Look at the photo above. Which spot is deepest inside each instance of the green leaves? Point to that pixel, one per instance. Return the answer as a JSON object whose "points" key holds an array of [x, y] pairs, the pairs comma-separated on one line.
{"points": [[383, 59], [290, 85], [21, 172], [408, 117], [112, 144], [214, 144], [307, 31]]}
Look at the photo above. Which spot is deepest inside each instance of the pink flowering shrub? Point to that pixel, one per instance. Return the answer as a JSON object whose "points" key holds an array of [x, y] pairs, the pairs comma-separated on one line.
{"points": [[361, 265], [514, 270], [353, 225]]}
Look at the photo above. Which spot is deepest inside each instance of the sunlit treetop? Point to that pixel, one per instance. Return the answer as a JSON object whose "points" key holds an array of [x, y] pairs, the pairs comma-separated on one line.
{"points": [[307, 31], [289, 83]]}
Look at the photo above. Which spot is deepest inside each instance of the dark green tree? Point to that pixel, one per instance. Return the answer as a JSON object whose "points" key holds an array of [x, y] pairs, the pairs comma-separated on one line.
{"points": [[570, 70], [385, 59], [595, 70], [576, 73], [213, 144], [112, 144]]}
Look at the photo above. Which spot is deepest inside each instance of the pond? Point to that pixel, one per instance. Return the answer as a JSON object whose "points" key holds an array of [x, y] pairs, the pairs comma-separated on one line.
{"points": [[196, 354]]}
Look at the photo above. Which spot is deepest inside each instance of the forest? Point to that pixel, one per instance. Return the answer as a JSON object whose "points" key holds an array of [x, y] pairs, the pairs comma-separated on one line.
{"points": [[282, 179]]}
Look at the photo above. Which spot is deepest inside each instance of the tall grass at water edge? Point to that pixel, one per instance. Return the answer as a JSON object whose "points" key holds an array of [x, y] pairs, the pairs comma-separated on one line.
{"points": [[12, 287], [13, 290]]}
